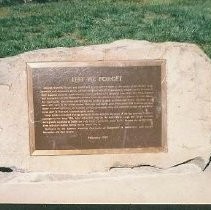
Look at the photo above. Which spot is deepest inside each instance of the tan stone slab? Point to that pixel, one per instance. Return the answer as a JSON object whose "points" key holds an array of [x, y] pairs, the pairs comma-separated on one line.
{"points": [[188, 107], [183, 188]]}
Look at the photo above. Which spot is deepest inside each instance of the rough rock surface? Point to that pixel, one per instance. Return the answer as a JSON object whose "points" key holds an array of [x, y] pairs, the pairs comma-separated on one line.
{"points": [[188, 108]]}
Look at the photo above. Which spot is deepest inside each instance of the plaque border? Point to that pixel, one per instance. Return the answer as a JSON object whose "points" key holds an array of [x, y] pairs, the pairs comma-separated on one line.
{"points": [[115, 63]]}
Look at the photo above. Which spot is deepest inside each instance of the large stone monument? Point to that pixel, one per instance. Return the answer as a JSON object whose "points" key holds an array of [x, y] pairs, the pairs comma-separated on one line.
{"points": [[127, 112]]}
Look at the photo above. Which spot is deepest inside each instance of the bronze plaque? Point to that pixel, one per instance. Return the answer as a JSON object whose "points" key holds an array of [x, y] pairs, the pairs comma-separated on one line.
{"points": [[97, 107]]}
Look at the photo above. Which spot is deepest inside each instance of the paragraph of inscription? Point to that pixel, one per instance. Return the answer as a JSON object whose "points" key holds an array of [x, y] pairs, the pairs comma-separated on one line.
{"points": [[66, 110]]}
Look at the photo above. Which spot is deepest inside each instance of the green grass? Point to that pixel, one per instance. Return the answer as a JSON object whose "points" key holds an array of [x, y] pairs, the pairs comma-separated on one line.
{"points": [[25, 27]]}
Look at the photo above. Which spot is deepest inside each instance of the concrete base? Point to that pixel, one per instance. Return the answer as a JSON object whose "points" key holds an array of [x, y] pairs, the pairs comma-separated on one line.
{"points": [[124, 186]]}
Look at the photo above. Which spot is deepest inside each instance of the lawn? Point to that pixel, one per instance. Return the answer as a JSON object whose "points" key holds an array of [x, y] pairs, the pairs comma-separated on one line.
{"points": [[25, 27]]}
